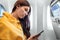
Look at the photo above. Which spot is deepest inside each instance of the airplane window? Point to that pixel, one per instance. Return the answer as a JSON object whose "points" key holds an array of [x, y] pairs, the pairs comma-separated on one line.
{"points": [[55, 9], [2, 9]]}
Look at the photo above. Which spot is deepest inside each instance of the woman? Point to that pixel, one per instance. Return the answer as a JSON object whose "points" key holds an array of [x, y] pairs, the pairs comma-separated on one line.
{"points": [[16, 26], [21, 11]]}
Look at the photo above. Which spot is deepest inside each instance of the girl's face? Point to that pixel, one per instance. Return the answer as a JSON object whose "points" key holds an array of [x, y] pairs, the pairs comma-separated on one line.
{"points": [[22, 11]]}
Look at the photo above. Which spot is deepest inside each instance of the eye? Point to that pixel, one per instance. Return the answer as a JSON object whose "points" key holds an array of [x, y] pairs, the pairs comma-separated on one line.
{"points": [[26, 9]]}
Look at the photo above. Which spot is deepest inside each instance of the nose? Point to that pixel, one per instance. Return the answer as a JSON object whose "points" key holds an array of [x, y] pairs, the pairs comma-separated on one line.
{"points": [[26, 13]]}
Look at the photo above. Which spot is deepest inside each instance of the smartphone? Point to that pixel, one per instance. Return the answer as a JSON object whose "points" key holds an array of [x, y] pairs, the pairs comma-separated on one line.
{"points": [[37, 35]]}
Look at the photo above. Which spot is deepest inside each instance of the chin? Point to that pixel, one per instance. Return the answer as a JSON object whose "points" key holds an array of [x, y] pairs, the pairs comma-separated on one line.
{"points": [[21, 17]]}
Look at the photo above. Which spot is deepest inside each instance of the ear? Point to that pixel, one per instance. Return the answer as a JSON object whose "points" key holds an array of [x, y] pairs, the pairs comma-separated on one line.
{"points": [[17, 6]]}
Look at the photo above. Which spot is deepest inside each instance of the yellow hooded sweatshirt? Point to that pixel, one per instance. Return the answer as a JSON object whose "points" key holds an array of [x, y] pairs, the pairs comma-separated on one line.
{"points": [[10, 28]]}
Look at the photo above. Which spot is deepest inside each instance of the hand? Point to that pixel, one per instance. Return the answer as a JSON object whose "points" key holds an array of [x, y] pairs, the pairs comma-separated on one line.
{"points": [[33, 38]]}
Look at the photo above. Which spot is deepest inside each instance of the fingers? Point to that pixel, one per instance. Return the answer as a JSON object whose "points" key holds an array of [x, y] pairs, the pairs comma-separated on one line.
{"points": [[33, 38]]}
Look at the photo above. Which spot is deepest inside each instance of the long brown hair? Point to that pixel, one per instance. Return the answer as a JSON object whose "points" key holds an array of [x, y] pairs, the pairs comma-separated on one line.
{"points": [[24, 22]]}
